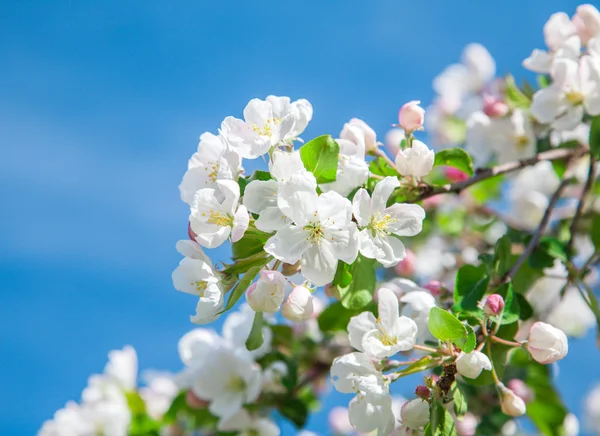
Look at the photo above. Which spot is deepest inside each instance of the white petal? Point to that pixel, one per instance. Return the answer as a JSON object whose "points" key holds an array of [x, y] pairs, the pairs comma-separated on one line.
{"points": [[271, 219], [408, 219], [213, 236], [368, 248], [382, 192], [539, 62], [258, 112], [333, 209], [358, 326], [546, 104], [393, 249], [260, 194], [361, 207], [288, 244], [388, 310], [241, 220], [319, 263], [231, 191], [298, 200]]}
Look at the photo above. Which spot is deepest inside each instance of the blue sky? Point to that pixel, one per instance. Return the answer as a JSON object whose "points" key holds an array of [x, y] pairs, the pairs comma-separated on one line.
{"points": [[101, 106]]}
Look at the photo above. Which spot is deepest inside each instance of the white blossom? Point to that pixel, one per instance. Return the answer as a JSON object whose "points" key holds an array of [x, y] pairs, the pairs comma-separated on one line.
{"points": [[355, 373], [415, 413], [416, 306], [266, 294], [380, 226], [415, 161], [213, 161], [386, 335], [159, 392], [266, 124], [369, 135], [299, 305], [471, 364], [587, 22], [372, 412], [547, 344], [321, 234]]}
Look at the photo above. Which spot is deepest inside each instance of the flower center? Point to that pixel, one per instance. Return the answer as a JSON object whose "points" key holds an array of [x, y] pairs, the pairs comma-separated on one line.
{"points": [[388, 341], [236, 384], [219, 218], [212, 168], [521, 141], [200, 287], [267, 128], [379, 224], [574, 97], [315, 232]]}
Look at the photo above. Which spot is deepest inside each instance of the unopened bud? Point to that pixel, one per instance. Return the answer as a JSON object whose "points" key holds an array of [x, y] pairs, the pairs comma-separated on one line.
{"points": [[299, 305], [547, 344], [455, 175], [411, 116], [415, 413], [266, 295], [510, 403], [494, 107], [406, 267], [435, 287], [289, 269], [521, 389], [493, 305], [422, 392], [194, 402]]}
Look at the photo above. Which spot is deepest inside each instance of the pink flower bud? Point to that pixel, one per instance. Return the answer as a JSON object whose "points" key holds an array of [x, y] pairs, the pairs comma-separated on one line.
{"points": [[191, 233], [467, 426], [422, 392], [411, 116], [436, 288], [521, 389], [299, 305], [406, 267], [493, 305], [547, 344], [433, 202], [455, 175], [194, 402], [493, 107], [511, 404]]}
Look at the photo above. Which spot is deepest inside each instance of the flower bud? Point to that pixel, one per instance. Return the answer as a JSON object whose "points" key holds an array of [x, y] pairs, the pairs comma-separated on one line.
{"points": [[369, 135], [587, 22], [455, 175], [299, 305], [547, 344], [511, 404], [411, 116], [416, 161], [470, 365], [266, 295], [521, 389], [467, 425], [435, 287], [289, 270], [406, 267], [415, 413], [194, 402], [191, 233], [494, 107], [493, 305], [422, 392]]}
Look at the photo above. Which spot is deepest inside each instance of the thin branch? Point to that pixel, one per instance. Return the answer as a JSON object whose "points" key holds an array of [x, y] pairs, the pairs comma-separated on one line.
{"points": [[380, 153], [579, 211], [540, 229], [505, 342], [486, 173]]}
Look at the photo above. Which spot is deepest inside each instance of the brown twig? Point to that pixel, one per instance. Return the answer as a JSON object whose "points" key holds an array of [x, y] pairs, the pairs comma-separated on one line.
{"points": [[579, 211]]}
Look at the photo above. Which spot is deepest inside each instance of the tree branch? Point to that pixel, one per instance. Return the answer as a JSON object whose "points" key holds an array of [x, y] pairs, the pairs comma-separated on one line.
{"points": [[579, 211], [486, 173]]}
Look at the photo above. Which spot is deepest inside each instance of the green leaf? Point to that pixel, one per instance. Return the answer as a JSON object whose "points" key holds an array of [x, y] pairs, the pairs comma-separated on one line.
{"points": [[255, 338], [336, 317], [441, 421], [470, 287], [359, 292], [548, 249], [135, 402], [459, 400], [295, 410], [471, 340], [455, 157], [512, 310], [379, 166], [420, 365], [595, 136], [514, 97], [595, 231], [503, 255], [320, 157], [487, 189], [525, 309], [242, 286], [241, 266], [252, 243], [445, 326], [141, 423]]}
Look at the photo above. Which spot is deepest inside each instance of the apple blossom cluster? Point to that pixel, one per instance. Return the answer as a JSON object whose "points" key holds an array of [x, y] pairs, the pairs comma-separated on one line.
{"points": [[472, 264]]}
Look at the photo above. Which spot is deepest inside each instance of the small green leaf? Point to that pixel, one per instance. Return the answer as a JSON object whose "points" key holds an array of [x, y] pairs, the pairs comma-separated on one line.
{"points": [[256, 175], [470, 287], [241, 266], [512, 310], [595, 136], [336, 317], [255, 338], [445, 326], [320, 157], [503, 255], [135, 402], [455, 157], [515, 98], [460, 402], [252, 243], [441, 421], [595, 232], [548, 249], [380, 167], [361, 288], [471, 340], [242, 286], [295, 410], [422, 364]]}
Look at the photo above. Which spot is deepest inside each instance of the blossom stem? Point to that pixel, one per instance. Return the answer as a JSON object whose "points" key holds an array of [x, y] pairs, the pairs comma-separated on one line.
{"points": [[488, 351], [579, 211], [486, 173], [505, 342], [392, 364], [425, 348]]}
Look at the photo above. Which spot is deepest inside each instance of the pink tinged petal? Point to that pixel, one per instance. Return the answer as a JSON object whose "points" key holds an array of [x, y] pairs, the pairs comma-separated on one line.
{"points": [[388, 309], [358, 326], [271, 219], [539, 61], [408, 219], [361, 207], [231, 191], [288, 244], [260, 194], [382, 192], [319, 264], [241, 220], [557, 29]]}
